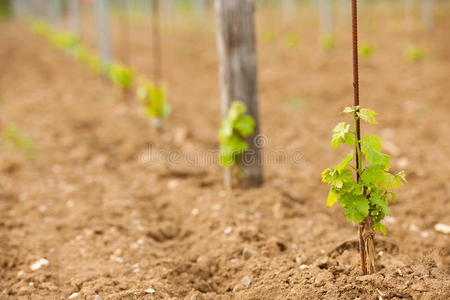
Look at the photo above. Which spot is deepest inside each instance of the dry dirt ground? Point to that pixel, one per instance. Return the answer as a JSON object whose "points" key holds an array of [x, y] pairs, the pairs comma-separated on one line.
{"points": [[112, 223]]}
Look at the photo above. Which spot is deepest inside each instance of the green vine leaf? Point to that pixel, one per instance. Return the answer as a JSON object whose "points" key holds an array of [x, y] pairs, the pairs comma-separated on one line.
{"points": [[337, 178], [245, 125], [371, 147], [332, 198], [393, 197], [367, 115], [373, 174], [391, 182], [380, 227], [375, 199], [342, 134], [233, 130], [344, 163], [350, 110], [356, 208]]}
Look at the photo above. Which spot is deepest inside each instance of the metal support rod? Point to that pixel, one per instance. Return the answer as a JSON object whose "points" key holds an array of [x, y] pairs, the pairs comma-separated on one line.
{"points": [[358, 125], [104, 40]]}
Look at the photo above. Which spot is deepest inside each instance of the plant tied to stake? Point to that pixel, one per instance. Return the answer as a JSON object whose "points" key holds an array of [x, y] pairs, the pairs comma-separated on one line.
{"points": [[154, 101], [366, 199], [120, 75], [369, 196]]}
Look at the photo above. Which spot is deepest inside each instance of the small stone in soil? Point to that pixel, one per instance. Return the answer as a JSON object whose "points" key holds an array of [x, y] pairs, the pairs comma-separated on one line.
{"points": [[302, 267], [37, 265], [442, 228], [247, 252], [228, 230], [98, 297], [73, 295], [150, 291], [172, 184], [246, 281]]}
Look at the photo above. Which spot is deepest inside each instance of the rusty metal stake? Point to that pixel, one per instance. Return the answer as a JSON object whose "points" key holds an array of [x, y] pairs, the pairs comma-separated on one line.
{"points": [[358, 125]]}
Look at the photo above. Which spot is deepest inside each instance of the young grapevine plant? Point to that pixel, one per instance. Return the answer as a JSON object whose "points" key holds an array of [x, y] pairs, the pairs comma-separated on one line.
{"points": [[370, 193], [237, 126], [120, 75], [154, 100]]}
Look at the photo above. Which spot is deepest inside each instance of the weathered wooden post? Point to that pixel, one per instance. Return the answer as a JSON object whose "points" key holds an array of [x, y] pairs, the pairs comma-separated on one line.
{"points": [[428, 14], [199, 11], [103, 31], [74, 12], [17, 9], [167, 7], [54, 10], [326, 17], [238, 76], [288, 10]]}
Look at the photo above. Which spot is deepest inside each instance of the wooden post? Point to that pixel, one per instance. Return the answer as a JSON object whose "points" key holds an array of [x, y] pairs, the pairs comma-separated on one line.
{"points": [[199, 11], [428, 14], [103, 26], [74, 12], [54, 9], [326, 18], [168, 7], [288, 10], [17, 8], [238, 74]]}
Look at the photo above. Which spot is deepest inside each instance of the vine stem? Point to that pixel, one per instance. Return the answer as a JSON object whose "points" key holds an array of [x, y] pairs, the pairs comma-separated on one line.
{"points": [[357, 122]]}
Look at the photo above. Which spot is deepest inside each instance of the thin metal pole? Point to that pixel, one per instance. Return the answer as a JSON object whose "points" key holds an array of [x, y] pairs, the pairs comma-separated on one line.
{"points": [[125, 30], [157, 59], [74, 8], [358, 125], [103, 24]]}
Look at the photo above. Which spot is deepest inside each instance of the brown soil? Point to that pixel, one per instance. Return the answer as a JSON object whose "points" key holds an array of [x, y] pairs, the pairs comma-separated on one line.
{"points": [[112, 224]]}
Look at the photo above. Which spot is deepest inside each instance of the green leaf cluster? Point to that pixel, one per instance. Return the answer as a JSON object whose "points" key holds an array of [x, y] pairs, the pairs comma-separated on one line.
{"points": [[117, 73], [62, 40], [371, 194], [414, 54], [366, 49], [20, 141], [120, 75], [237, 126], [154, 100], [293, 40], [327, 42]]}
